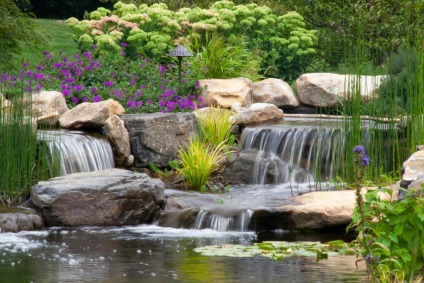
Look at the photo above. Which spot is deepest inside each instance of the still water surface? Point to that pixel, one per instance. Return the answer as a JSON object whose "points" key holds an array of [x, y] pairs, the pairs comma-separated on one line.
{"points": [[149, 253]]}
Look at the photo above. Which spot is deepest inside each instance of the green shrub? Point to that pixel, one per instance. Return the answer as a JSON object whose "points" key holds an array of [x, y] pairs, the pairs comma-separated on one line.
{"points": [[385, 24], [403, 80], [287, 45]]}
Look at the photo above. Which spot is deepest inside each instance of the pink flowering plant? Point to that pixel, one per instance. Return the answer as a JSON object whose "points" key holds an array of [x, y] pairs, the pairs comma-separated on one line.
{"points": [[140, 85]]}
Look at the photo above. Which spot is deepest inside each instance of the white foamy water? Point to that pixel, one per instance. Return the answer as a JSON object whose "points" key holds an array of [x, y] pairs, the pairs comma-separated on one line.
{"points": [[22, 241]]}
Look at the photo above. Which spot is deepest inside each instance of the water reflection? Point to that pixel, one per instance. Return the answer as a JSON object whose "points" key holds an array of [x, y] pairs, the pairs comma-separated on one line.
{"points": [[150, 253]]}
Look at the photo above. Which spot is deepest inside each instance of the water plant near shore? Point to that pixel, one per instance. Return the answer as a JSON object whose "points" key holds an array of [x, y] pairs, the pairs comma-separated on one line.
{"points": [[390, 231], [24, 162]]}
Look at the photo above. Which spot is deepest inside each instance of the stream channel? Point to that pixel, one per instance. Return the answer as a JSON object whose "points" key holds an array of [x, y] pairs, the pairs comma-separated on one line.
{"points": [[164, 251]]}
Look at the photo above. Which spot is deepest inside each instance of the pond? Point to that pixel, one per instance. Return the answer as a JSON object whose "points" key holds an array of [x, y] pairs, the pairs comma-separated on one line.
{"points": [[149, 253]]}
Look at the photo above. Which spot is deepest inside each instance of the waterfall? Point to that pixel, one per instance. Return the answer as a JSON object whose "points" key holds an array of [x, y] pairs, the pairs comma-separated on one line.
{"points": [[223, 220], [78, 151], [294, 154]]}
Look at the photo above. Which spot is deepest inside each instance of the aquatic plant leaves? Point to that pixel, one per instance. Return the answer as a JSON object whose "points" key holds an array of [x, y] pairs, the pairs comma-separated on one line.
{"points": [[278, 250]]}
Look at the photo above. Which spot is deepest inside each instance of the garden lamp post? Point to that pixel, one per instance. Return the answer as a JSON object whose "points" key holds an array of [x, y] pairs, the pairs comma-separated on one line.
{"points": [[180, 52]]}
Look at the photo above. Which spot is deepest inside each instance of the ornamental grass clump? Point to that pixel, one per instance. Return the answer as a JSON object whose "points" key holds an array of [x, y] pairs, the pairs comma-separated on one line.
{"points": [[199, 161], [215, 126], [201, 157]]}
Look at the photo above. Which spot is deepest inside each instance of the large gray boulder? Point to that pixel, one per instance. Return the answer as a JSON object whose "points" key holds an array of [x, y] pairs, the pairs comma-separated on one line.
{"points": [[103, 198], [19, 219], [158, 137], [332, 90], [239, 168]]}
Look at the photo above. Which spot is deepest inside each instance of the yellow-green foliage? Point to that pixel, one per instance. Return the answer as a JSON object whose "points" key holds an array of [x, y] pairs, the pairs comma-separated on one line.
{"points": [[153, 30], [198, 161], [215, 126]]}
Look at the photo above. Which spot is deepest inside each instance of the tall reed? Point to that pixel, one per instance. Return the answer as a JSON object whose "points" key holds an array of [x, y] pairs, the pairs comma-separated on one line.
{"points": [[17, 148], [23, 163], [388, 143]]}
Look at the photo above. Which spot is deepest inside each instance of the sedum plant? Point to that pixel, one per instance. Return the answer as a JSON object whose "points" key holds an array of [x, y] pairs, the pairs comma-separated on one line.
{"points": [[286, 43]]}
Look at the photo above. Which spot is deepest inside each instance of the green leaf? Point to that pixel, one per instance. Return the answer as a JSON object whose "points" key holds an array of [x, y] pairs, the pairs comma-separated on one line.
{"points": [[393, 237], [398, 230]]}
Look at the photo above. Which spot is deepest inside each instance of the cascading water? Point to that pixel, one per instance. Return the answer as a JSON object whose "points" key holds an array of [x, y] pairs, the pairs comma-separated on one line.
{"points": [[223, 219], [78, 151], [294, 155]]}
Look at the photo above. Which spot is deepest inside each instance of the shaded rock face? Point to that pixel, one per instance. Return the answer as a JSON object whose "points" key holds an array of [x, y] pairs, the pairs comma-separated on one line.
{"points": [[274, 91], [158, 137], [240, 167], [16, 219], [109, 197], [256, 113], [89, 115], [331, 90], [225, 92], [118, 135]]}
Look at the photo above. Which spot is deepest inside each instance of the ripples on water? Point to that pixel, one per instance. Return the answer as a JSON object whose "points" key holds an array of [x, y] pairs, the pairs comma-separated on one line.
{"points": [[149, 253]]}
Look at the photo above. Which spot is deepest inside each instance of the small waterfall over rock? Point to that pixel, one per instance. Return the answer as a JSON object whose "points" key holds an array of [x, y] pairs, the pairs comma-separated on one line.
{"points": [[296, 154], [223, 219], [78, 151]]}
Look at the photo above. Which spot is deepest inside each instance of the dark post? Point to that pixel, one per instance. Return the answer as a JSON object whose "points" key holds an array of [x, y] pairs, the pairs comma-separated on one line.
{"points": [[180, 52]]}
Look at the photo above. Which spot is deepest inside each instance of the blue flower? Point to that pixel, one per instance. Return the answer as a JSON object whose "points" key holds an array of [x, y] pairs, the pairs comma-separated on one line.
{"points": [[359, 149], [365, 160]]}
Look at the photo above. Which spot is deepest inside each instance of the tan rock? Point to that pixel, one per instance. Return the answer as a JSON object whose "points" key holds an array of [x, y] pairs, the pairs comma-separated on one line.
{"points": [[46, 106], [274, 91], [413, 167], [4, 103], [225, 92], [331, 90], [118, 136], [91, 115], [256, 113], [322, 209]]}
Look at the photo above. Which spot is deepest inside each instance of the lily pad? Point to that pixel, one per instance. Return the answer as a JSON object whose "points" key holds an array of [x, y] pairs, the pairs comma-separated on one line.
{"points": [[278, 250]]}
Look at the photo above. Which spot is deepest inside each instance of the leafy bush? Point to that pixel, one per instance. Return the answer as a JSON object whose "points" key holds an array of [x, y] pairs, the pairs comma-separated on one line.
{"points": [[391, 232], [404, 70], [139, 85], [152, 30], [383, 26]]}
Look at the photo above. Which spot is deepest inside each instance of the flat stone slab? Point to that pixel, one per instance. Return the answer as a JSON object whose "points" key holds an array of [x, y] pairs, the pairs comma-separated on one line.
{"points": [[111, 197], [310, 211]]}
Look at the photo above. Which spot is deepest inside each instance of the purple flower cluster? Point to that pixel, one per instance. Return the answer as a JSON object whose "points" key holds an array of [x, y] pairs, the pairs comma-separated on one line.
{"points": [[145, 87], [365, 160]]}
